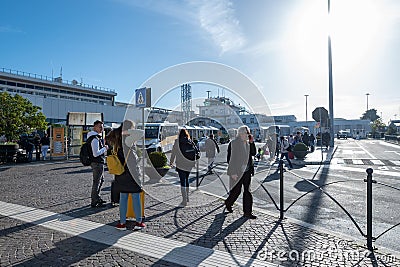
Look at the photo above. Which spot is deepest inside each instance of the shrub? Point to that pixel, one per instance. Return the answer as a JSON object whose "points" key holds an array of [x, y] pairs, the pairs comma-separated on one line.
{"points": [[300, 147], [158, 159]]}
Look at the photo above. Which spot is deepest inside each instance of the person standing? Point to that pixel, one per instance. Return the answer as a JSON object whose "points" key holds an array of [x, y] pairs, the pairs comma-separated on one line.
{"points": [[311, 141], [183, 146], [36, 142], [45, 141], [284, 144], [211, 145], [326, 138], [129, 181], [99, 150], [278, 147], [271, 147], [241, 151]]}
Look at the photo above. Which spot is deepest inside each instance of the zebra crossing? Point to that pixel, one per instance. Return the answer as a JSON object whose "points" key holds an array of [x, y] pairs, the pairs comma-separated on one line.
{"points": [[375, 162]]}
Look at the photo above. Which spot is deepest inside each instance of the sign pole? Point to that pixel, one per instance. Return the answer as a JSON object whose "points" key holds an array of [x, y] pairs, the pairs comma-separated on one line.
{"points": [[143, 145], [143, 100]]}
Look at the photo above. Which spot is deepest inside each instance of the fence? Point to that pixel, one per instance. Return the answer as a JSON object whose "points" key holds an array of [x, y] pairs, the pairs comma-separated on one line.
{"points": [[393, 139], [369, 189]]}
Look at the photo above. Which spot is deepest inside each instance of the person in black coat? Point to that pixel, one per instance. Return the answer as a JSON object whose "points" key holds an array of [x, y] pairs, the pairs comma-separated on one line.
{"points": [[129, 181], [184, 165], [240, 169]]}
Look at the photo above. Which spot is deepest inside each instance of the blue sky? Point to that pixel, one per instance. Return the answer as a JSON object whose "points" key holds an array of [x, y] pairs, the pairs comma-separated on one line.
{"points": [[280, 45]]}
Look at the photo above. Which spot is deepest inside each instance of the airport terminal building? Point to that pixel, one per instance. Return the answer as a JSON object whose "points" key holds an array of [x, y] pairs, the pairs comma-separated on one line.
{"points": [[57, 97]]}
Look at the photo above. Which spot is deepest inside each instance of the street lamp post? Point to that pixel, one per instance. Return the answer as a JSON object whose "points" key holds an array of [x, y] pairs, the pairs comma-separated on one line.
{"points": [[331, 117], [367, 94], [306, 107]]}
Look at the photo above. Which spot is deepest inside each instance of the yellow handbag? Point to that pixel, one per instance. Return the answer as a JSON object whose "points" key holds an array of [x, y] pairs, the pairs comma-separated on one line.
{"points": [[114, 164]]}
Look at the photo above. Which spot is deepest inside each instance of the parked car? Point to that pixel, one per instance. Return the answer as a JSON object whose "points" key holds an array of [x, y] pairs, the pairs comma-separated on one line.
{"points": [[343, 134]]}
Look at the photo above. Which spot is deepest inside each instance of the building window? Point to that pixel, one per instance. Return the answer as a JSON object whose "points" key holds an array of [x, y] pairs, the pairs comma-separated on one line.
{"points": [[251, 120], [244, 120]]}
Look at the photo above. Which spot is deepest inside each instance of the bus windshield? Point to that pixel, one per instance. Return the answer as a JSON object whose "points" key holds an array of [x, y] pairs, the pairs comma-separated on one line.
{"points": [[151, 132]]}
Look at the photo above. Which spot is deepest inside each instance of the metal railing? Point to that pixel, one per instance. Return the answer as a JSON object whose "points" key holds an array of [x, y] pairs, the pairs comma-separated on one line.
{"points": [[369, 220], [51, 79]]}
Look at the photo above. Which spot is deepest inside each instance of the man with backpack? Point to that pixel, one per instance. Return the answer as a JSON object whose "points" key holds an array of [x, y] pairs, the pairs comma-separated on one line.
{"points": [[99, 150]]}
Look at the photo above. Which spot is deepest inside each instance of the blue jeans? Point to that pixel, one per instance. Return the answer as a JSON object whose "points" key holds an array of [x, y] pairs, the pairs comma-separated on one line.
{"points": [[183, 177], [123, 206]]}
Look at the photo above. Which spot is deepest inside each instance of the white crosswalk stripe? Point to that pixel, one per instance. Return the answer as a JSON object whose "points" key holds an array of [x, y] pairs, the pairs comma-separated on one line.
{"points": [[395, 162], [377, 162], [358, 162]]}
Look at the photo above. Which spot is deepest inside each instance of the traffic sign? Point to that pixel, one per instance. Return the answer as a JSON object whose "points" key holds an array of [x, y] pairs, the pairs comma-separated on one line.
{"points": [[321, 115], [143, 97]]}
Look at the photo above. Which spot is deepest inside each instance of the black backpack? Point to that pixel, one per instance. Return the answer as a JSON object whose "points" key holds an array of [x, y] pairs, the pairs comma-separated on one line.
{"points": [[189, 150], [85, 155]]}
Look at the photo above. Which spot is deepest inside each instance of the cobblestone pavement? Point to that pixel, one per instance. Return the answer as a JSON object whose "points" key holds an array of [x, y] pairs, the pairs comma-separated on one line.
{"points": [[64, 187]]}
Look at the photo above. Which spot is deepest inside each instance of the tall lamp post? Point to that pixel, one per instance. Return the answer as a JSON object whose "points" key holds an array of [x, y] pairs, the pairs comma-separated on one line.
{"points": [[306, 107], [367, 94], [331, 122]]}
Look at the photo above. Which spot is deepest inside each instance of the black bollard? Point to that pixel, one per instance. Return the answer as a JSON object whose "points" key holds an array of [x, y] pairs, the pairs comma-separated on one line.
{"points": [[369, 208], [281, 198]]}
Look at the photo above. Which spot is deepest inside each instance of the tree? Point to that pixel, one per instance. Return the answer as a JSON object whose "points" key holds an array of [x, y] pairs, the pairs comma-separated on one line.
{"points": [[18, 115], [370, 115], [377, 126]]}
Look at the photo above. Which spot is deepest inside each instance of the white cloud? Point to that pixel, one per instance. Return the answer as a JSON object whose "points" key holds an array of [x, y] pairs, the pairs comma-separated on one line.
{"points": [[218, 19]]}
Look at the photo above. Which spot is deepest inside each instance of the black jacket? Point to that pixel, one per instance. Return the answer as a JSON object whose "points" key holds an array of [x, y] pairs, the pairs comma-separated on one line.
{"points": [[129, 180], [177, 156]]}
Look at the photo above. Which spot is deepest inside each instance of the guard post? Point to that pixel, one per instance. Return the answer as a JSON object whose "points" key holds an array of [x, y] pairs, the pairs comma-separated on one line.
{"points": [[281, 197], [369, 182]]}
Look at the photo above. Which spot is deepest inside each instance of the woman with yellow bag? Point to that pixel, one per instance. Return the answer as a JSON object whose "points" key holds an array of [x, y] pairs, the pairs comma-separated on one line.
{"points": [[129, 181]]}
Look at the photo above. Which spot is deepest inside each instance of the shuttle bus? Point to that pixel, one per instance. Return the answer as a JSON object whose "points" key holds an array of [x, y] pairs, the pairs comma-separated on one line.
{"points": [[159, 136]]}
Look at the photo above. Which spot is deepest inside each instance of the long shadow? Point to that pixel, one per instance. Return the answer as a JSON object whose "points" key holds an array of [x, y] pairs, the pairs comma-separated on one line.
{"points": [[80, 171], [213, 235], [265, 240], [299, 239]]}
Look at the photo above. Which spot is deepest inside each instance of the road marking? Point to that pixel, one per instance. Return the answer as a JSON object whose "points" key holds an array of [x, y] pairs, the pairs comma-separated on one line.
{"points": [[372, 156], [358, 162], [395, 162], [377, 162], [156, 247]]}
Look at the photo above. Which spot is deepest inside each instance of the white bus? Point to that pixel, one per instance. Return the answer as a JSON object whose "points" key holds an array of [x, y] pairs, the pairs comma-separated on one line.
{"points": [[159, 136]]}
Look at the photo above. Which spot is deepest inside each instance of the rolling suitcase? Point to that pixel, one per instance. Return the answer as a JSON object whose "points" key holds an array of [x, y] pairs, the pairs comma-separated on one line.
{"points": [[130, 212]]}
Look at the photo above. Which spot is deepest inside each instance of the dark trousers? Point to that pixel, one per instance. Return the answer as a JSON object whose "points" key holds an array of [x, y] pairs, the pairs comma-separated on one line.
{"points": [[183, 177], [286, 155], [98, 179], [235, 192]]}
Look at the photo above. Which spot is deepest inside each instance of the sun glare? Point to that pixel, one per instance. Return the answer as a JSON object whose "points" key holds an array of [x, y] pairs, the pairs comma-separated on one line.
{"points": [[352, 24]]}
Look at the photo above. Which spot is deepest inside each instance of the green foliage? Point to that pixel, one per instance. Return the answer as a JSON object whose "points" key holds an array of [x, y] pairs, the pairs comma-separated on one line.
{"points": [[300, 147], [158, 159], [378, 126], [18, 115], [370, 115]]}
